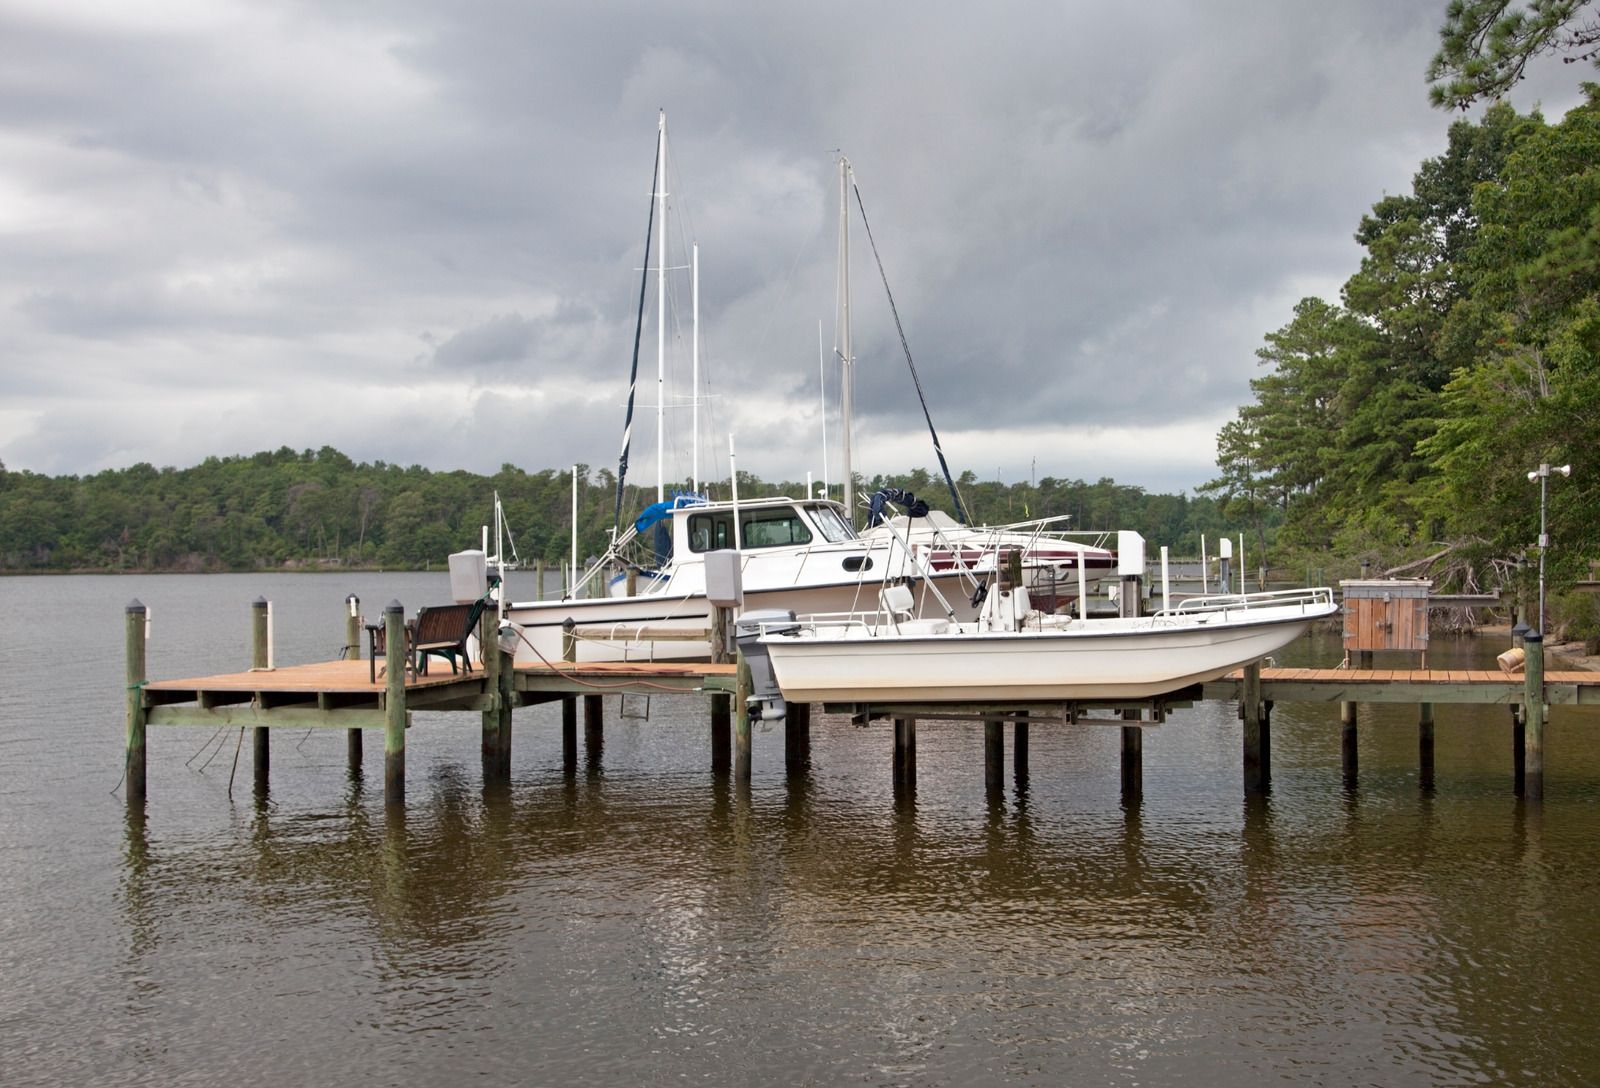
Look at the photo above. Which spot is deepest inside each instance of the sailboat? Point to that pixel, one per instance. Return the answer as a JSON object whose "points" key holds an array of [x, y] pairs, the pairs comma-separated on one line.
{"points": [[799, 554]]}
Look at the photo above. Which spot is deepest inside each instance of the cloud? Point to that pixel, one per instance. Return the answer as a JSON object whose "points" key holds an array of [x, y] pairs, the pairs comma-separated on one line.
{"points": [[415, 232]]}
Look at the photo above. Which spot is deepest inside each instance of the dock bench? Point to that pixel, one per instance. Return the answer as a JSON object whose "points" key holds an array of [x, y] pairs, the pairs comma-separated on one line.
{"points": [[438, 630]]}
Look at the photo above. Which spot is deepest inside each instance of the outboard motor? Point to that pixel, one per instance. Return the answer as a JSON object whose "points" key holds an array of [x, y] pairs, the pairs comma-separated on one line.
{"points": [[766, 701]]}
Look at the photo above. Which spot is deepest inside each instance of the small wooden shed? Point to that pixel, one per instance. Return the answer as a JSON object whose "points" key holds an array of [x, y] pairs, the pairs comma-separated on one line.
{"points": [[1386, 614]]}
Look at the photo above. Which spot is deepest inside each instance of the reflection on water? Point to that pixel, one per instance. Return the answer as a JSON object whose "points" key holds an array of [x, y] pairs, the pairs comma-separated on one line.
{"points": [[644, 920]]}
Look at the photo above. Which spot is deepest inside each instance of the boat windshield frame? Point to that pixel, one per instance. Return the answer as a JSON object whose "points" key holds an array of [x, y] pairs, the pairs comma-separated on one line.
{"points": [[830, 523]]}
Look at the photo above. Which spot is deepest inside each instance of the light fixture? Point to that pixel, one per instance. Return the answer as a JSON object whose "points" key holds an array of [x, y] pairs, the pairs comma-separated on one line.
{"points": [[1542, 474]]}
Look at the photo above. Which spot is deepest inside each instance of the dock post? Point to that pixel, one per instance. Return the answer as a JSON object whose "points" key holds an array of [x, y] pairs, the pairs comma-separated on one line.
{"points": [[994, 755], [1519, 750], [133, 756], [569, 703], [1132, 761], [797, 738], [1019, 751], [261, 745], [594, 729], [1533, 711], [352, 652], [569, 734], [1130, 603], [1425, 746], [394, 704], [721, 733], [741, 722], [1257, 750], [905, 753], [495, 726], [538, 579], [1347, 743]]}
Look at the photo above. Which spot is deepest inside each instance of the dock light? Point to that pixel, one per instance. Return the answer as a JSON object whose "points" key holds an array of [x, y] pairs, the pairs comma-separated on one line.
{"points": [[1542, 474]]}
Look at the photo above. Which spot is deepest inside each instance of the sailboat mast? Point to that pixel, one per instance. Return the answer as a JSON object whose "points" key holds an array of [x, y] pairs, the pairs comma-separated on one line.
{"points": [[694, 389], [661, 316], [822, 386], [842, 333]]}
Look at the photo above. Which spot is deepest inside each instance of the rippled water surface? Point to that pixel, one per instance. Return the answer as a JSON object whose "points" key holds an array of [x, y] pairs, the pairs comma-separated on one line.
{"points": [[647, 922]]}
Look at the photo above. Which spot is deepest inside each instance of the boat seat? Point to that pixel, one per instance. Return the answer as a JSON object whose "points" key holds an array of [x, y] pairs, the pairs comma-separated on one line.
{"points": [[936, 626], [897, 600]]}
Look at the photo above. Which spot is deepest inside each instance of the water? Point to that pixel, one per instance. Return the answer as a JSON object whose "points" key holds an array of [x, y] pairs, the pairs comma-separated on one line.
{"points": [[645, 922]]}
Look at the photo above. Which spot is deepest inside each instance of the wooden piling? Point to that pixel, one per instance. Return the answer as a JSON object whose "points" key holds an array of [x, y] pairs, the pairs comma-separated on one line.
{"points": [[1019, 750], [1519, 752], [1348, 750], [1130, 603], [352, 652], [569, 734], [905, 753], [134, 745], [394, 704], [741, 721], [1132, 762], [1533, 679], [1425, 746], [994, 755], [594, 728], [797, 738], [569, 703], [261, 746], [721, 733], [1257, 757], [496, 720]]}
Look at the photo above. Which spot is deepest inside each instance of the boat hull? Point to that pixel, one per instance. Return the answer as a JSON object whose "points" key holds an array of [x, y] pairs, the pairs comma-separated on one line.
{"points": [[1131, 659]]}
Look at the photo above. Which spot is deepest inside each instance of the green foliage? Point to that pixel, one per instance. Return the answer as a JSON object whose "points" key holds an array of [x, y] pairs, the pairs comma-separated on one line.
{"points": [[1466, 352], [321, 509], [1485, 46]]}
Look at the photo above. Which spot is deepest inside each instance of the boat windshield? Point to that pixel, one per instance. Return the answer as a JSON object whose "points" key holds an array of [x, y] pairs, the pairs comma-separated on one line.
{"points": [[830, 524]]}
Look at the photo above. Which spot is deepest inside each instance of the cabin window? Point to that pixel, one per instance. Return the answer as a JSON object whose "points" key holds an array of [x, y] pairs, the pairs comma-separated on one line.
{"points": [[775, 529], [710, 532], [760, 529]]}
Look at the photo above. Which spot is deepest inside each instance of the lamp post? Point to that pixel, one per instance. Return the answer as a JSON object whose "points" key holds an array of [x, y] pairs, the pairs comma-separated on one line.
{"points": [[1542, 474]]}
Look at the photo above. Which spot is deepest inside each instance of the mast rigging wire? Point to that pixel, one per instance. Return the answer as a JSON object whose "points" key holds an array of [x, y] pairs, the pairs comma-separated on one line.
{"points": [[955, 496]]}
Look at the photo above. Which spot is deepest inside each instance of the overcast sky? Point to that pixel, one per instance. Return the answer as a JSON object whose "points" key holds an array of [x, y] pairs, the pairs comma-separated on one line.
{"points": [[413, 231]]}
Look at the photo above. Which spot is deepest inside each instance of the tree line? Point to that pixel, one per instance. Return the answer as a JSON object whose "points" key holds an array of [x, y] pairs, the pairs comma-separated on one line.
{"points": [[320, 508], [1401, 421]]}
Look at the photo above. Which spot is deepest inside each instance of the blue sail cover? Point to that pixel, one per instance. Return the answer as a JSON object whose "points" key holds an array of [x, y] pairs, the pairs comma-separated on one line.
{"points": [[913, 506], [657, 514]]}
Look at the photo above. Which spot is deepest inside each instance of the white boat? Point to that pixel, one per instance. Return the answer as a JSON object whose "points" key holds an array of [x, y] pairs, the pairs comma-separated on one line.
{"points": [[1015, 653], [799, 555]]}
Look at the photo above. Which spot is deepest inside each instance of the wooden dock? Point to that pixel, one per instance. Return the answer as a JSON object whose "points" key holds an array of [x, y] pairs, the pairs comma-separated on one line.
{"points": [[1482, 686], [352, 694]]}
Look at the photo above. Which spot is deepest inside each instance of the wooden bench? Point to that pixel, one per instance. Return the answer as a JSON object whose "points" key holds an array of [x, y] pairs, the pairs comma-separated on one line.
{"points": [[437, 630]]}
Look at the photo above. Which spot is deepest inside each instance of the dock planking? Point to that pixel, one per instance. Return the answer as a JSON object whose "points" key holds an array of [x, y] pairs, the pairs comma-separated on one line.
{"points": [[1575, 687]]}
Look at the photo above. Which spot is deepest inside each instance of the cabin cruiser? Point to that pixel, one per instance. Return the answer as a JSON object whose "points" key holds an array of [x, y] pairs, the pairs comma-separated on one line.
{"points": [[795, 554]]}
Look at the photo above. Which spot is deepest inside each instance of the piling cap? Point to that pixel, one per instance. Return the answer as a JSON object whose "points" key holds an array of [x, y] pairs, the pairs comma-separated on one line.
{"points": [[394, 606], [259, 602], [1533, 636], [136, 605]]}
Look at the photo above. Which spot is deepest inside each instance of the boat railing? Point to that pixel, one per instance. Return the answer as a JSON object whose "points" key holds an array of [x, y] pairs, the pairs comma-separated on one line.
{"points": [[1318, 597]]}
